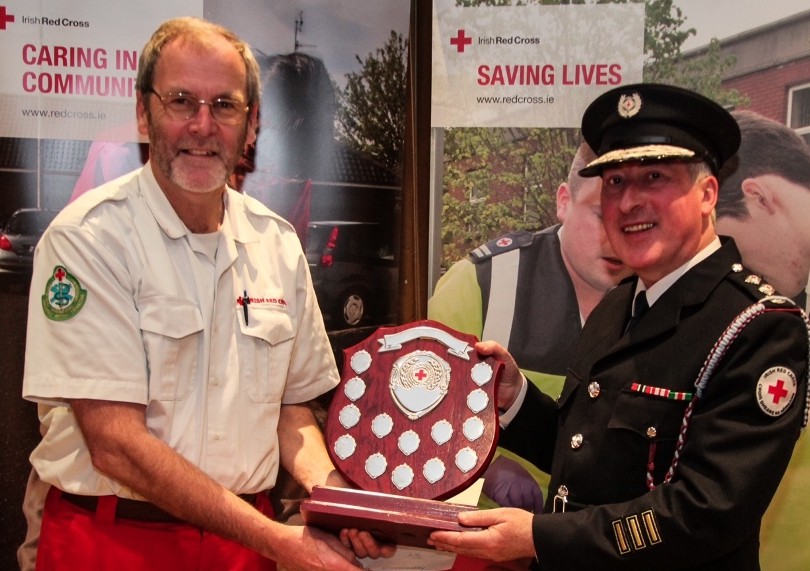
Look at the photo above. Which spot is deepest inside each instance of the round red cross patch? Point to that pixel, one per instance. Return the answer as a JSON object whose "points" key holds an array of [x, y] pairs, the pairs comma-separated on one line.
{"points": [[776, 390]]}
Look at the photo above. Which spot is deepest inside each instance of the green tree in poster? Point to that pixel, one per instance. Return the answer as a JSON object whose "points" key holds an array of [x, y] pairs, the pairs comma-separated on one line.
{"points": [[664, 63], [500, 180], [371, 108]]}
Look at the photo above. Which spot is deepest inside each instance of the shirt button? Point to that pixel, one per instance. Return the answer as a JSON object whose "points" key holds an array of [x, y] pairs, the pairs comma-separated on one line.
{"points": [[576, 441], [652, 432], [594, 389]]}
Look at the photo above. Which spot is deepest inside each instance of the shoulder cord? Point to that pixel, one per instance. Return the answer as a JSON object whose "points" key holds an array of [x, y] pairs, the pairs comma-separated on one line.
{"points": [[717, 352]]}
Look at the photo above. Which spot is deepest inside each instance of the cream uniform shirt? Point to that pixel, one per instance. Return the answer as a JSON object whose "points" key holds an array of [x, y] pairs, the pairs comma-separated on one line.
{"points": [[127, 305]]}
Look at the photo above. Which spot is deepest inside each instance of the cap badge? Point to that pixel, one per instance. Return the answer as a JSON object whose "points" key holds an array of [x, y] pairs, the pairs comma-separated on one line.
{"points": [[629, 105]]}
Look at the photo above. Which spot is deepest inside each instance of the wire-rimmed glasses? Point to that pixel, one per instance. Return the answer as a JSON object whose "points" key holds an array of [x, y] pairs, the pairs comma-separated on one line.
{"points": [[181, 106]]}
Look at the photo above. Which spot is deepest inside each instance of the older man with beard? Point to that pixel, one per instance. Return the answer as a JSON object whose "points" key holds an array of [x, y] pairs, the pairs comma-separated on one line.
{"points": [[175, 338]]}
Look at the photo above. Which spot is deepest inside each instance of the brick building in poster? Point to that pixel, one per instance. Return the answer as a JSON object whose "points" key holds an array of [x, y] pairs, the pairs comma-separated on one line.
{"points": [[772, 69]]}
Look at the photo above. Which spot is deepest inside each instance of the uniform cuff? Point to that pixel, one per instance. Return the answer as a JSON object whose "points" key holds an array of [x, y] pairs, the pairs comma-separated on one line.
{"points": [[506, 416]]}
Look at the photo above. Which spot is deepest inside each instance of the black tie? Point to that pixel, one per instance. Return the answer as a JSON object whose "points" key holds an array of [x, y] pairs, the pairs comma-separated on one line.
{"points": [[640, 307]]}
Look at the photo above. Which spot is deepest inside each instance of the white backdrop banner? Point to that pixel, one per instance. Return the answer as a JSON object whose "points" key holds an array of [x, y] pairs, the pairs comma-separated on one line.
{"points": [[69, 67], [530, 66]]}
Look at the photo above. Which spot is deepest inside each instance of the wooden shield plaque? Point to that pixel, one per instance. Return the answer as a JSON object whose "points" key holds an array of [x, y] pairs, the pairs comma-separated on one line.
{"points": [[413, 416]]}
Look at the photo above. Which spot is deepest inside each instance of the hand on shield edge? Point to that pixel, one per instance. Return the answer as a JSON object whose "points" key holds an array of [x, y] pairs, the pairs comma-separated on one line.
{"points": [[511, 377]]}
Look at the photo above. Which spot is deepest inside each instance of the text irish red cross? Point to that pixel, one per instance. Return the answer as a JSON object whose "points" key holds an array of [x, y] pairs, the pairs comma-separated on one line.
{"points": [[778, 391], [460, 41], [5, 18]]}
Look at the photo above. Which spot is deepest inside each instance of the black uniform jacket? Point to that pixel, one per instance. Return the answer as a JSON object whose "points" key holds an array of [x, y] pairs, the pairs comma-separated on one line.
{"points": [[597, 439]]}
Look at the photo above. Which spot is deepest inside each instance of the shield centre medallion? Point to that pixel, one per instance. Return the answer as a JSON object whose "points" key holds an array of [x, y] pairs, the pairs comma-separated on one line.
{"points": [[419, 381]]}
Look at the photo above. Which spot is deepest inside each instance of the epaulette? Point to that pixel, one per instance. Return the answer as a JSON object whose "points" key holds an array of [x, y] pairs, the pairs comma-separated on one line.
{"points": [[752, 283], [507, 242]]}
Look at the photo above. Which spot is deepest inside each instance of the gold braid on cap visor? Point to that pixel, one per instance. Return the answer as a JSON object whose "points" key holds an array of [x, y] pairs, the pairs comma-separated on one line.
{"points": [[645, 153]]}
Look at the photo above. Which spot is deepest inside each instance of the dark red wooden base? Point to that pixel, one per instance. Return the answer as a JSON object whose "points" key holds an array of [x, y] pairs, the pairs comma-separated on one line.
{"points": [[389, 518]]}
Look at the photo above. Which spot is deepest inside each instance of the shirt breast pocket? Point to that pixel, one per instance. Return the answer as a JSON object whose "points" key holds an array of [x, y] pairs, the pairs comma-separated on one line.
{"points": [[171, 328], [265, 350]]}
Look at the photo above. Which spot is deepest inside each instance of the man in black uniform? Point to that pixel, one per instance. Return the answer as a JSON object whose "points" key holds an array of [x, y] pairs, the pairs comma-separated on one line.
{"points": [[674, 428]]}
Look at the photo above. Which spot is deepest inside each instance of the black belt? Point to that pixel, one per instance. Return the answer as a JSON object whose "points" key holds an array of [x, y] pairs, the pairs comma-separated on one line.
{"points": [[134, 509]]}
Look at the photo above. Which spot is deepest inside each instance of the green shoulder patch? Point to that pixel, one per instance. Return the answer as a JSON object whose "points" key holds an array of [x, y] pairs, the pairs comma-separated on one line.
{"points": [[64, 296]]}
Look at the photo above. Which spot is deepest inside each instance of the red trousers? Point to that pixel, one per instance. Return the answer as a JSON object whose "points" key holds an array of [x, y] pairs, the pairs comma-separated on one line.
{"points": [[75, 539]]}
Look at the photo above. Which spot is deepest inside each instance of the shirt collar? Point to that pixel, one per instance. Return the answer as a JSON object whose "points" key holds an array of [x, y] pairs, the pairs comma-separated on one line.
{"points": [[238, 212], [662, 285], [157, 202], [234, 223]]}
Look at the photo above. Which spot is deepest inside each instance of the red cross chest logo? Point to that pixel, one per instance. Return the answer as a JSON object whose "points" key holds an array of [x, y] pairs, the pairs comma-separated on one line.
{"points": [[5, 18], [776, 390], [460, 41]]}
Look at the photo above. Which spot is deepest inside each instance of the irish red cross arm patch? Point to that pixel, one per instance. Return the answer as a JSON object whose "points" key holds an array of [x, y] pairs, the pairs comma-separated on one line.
{"points": [[776, 390], [415, 412]]}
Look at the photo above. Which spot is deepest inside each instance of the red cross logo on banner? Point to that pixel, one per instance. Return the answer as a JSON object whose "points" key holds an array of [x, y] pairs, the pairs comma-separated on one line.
{"points": [[5, 18], [460, 41]]}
